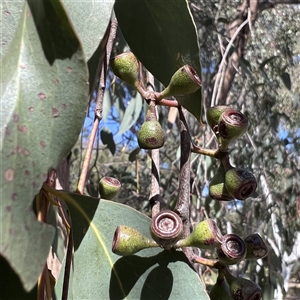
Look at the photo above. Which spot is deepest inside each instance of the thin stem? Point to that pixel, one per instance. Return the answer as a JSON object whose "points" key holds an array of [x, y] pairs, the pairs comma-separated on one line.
{"points": [[98, 108], [87, 157], [216, 153], [154, 196], [218, 85], [183, 203], [213, 263]]}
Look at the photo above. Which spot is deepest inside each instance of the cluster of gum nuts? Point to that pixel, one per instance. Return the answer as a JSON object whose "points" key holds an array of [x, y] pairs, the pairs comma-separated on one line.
{"points": [[166, 227]]}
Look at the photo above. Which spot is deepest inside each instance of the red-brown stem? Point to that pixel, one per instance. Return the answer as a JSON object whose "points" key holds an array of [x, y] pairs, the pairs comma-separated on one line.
{"points": [[213, 263], [216, 153], [98, 108], [169, 103], [87, 157]]}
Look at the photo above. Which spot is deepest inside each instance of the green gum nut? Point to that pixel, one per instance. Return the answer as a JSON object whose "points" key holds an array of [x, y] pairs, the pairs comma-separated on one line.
{"points": [[232, 124], [128, 241], [151, 135], [256, 247], [184, 81], [213, 115], [232, 250], [217, 188], [109, 187], [206, 235], [240, 183], [126, 67], [220, 291], [242, 288], [166, 229]]}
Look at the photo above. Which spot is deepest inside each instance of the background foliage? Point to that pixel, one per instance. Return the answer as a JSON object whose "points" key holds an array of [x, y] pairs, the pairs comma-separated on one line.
{"points": [[38, 129]]}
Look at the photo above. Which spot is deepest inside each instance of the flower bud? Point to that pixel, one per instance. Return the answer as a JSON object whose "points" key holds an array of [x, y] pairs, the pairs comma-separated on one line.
{"points": [[242, 288], [128, 241], [166, 228], [256, 247], [213, 115], [206, 235], [232, 124], [126, 67], [151, 135], [217, 188], [240, 183], [109, 187], [220, 291], [232, 250], [184, 81]]}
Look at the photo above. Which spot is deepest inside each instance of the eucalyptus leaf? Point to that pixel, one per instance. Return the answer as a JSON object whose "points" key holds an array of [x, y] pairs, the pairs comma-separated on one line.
{"points": [[165, 40], [132, 113], [90, 20], [43, 98], [101, 274]]}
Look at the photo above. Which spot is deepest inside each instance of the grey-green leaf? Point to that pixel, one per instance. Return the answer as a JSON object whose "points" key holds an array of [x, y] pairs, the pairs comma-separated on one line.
{"points": [[90, 20], [43, 107], [132, 113]]}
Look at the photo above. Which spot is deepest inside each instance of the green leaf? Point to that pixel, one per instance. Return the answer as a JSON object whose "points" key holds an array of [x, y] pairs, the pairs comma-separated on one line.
{"points": [[286, 79], [107, 104], [132, 113], [164, 40], [90, 20], [11, 12], [43, 109], [133, 154], [107, 138], [100, 274]]}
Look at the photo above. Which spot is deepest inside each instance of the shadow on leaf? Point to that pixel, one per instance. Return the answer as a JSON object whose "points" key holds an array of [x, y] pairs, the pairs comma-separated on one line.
{"points": [[159, 282]]}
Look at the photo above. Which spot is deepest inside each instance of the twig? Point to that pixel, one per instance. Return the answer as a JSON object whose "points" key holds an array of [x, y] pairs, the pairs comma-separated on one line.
{"points": [[154, 196], [217, 83], [183, 203], [98, 109]]}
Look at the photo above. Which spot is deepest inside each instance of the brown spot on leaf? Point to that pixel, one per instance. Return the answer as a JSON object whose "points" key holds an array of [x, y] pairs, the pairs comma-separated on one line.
{"points": [[22, 128], [27, 172], [42, 96], [7, 131], [22, 66], [55, 112], [26, 227], [8, 208], [13, 196], [26, 152], [19, 149], [9, 174], [64, 106], [56, 81], [69, 69], [16, 118], [31, 108], [43, 144]]}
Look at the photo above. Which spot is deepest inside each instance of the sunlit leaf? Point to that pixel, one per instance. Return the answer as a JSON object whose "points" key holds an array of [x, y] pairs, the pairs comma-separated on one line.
{"points": [[90, 20]]}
